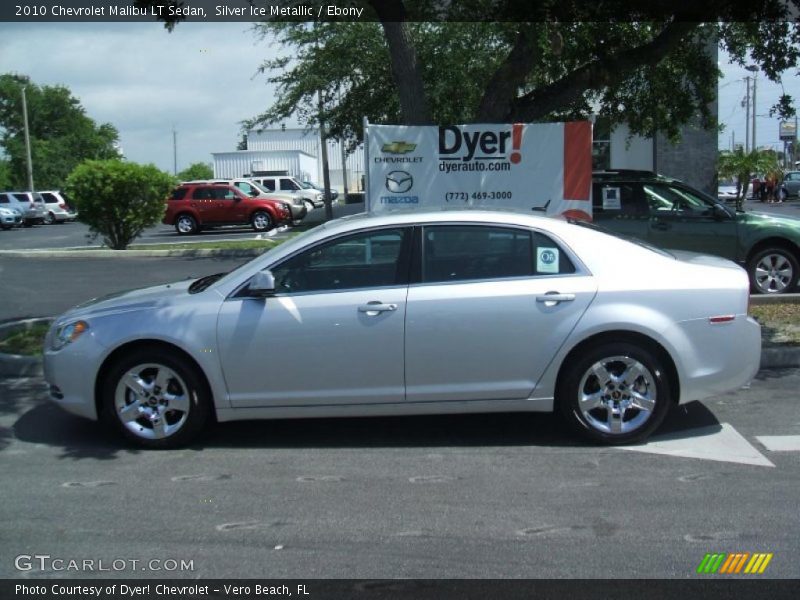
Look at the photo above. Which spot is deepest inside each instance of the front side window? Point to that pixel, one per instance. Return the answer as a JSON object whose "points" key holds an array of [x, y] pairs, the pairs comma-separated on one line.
{"points": [[469, 252], [289, 185], [664, 198], [364, 260]]}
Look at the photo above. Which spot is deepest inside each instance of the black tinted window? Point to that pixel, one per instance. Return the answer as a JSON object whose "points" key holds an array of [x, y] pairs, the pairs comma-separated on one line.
{"points": [[49, 198], [288, 185], [179, 193], [269, 184], [203, 193], [364, 260], [223, 193], [618, 198]]}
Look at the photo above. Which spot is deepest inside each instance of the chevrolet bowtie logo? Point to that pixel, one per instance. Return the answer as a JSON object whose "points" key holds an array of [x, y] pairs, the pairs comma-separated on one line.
{"points": [[399, 182], [398, 148]]}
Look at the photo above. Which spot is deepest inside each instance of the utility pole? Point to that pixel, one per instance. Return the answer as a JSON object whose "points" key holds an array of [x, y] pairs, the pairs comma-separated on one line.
{"points": [[326, 176], [27, 140], [754, 70], [174, 151], [344, 171], [747, 116]]}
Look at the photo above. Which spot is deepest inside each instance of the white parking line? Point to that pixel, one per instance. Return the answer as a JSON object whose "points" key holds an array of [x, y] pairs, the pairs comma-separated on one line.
{"points": [[719, 443], [780, 443]]}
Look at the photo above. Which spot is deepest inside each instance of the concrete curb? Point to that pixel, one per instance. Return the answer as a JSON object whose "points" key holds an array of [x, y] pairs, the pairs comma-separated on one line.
{"points": [[106, 253], [15, 365]]}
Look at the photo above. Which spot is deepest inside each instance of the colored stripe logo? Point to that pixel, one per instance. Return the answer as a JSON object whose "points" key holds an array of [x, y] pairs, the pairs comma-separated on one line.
{"points": [[735, 563]]}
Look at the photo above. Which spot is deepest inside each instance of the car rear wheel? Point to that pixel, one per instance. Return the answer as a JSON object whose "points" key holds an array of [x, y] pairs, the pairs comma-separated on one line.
{"points": [[186, 225], [156, 399], [615, 393], [773, 271], [49, 218], [261, 221]]}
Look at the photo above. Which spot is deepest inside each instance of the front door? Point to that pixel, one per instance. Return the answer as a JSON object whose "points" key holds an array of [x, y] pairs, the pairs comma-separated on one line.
{"points": [[683, 220], [331, 335]]}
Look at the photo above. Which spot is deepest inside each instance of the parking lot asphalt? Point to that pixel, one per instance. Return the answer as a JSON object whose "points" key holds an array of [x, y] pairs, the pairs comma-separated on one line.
{"points": [[70, 235], [501, 496]]}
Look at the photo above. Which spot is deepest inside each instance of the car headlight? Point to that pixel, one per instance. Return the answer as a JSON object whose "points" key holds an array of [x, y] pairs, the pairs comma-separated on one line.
{"points": [[68, 333]]}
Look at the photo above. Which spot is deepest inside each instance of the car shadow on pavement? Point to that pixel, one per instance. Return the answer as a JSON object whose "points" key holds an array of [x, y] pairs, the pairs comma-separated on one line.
{"points": [[79, 438]]}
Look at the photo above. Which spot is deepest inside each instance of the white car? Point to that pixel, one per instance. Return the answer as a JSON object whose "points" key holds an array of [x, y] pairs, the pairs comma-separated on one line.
{"points": [[9, 218], [403, 314]]}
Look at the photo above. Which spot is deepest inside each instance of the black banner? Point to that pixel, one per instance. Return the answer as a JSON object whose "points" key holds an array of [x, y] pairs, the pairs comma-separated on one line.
{"points": [[400, 589], [172, 11]]}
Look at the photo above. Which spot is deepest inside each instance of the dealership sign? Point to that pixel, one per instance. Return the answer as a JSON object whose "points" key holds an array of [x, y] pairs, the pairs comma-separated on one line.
{"points": [[546, 168], [787, 130]]}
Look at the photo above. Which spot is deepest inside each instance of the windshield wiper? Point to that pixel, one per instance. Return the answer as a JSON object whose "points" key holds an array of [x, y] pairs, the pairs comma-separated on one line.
{"points": [[204, 282]]}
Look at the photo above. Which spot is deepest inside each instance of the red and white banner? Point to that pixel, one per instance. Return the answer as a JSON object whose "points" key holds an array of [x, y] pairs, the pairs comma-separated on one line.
{"points": [[543, 167]]}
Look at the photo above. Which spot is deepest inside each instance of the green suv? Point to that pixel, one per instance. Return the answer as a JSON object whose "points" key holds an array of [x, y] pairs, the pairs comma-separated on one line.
{"points": [[670, 214]]}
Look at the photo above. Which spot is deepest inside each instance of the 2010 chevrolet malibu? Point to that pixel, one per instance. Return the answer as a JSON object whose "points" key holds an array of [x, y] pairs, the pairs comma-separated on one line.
{"points": [[402, 314]]}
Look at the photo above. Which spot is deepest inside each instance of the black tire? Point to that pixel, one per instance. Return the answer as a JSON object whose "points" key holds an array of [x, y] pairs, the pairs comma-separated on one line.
{"points": [[184, 383], [49, 218], [773, 271], [261, 221], [186, 224], [599, 424]]}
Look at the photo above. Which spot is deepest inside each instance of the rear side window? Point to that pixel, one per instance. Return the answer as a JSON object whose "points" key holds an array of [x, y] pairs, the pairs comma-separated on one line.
{"points": [[619, 198], [203, 193], [268, 184], [468, 252], [49, 198], [223, 193], [179, 193]]}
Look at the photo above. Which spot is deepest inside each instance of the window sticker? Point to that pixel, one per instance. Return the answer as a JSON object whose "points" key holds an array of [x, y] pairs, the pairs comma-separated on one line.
{"points": [[611, 198], [547, 260]]}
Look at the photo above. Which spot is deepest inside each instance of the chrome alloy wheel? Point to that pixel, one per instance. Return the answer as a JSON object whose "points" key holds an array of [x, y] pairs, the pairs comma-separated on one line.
{"points": [[152, 401], [773, 273], [185, 224], [617, 395], [261, 221]]}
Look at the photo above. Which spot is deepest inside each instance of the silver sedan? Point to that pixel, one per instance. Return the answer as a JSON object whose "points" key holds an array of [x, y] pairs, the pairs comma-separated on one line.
{"points": [[448, 312]]}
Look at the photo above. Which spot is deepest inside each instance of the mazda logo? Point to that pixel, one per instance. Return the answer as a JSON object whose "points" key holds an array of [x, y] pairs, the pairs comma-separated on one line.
{"points": [[399, 182]]}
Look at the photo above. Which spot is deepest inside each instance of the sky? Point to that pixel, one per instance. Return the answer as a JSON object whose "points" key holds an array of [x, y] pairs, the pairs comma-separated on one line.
{"points": [[202, 80]]}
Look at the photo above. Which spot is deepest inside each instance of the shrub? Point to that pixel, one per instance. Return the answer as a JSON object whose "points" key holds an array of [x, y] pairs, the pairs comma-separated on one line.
{"points": [[118, 200]]}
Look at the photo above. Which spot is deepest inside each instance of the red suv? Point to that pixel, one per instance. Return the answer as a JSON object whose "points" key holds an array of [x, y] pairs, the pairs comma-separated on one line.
{"points": [[194, 206]]}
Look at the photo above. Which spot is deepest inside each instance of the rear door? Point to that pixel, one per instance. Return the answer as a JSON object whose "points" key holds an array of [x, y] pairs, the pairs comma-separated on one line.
{"points": [[491, 307], [684, 220], [621, 207]]}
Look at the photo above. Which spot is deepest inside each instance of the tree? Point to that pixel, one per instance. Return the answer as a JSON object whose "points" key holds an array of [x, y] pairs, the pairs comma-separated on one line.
{"points": [[196, 171], [654, 75], [61, 134], [118, 200], [741, 166]]}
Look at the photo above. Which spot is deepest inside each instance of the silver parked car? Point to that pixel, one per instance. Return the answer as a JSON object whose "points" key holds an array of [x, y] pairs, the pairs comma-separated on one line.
{"points": [[29, 205], [447, 312], [9, 218]]}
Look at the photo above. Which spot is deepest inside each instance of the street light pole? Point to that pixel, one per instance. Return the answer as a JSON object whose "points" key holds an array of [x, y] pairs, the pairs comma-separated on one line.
{"points": [[27, 140], [754, 70], [747, 116]]}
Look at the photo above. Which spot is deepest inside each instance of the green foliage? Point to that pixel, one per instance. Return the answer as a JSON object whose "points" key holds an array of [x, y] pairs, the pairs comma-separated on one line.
{"points": [[118, 200], [61, 134], [741, 166], [617, 70], [196, 171], [5, 175]]}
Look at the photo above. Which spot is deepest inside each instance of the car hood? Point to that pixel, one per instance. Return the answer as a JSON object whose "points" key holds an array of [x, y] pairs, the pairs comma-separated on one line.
{"points": [[765, 219], [139, 299]]}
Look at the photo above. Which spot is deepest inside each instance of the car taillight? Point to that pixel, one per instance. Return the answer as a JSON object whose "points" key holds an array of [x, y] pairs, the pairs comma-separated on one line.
{"points": [[62, 205]]}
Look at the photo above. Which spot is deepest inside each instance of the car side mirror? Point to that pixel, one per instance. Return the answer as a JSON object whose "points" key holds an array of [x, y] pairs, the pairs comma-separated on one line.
{"points": [[720, 213], [262, 284]]}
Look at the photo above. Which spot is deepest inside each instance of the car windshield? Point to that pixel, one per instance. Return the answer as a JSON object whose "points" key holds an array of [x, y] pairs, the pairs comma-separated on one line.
{"points": [[627, 238]]}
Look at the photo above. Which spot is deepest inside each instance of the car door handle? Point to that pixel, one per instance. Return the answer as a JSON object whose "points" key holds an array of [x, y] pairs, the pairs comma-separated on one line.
{"points": [[553, 298], [375, 307], [661, 226]]}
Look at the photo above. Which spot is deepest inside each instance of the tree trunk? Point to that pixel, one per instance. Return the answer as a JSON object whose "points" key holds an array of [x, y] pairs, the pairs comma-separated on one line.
{"points": [[405, 68]]}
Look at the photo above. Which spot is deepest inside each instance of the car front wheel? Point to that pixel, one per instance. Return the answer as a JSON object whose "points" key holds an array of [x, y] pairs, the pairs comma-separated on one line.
{"points": [[773, 271], [156, 399], [261, 221], [186, 225], [615, 393]]}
